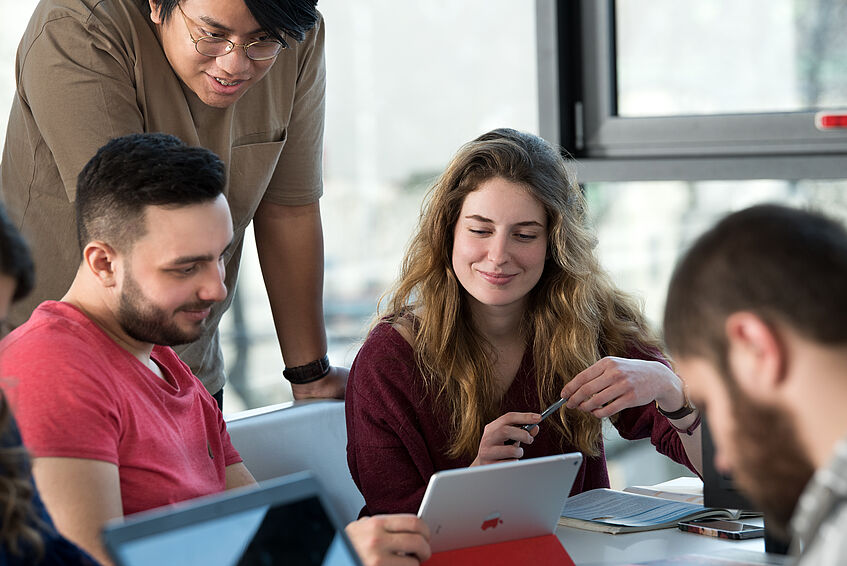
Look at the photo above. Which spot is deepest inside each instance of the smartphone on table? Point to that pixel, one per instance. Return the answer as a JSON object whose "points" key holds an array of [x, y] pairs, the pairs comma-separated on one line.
{"points": [[722, 529]]}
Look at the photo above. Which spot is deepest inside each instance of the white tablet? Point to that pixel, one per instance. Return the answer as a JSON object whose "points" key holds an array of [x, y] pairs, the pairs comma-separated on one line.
{"points": [[497, 502]]}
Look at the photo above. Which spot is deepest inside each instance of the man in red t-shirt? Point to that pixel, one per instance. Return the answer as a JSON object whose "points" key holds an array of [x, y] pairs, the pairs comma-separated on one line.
{"points": [[115, 421]]}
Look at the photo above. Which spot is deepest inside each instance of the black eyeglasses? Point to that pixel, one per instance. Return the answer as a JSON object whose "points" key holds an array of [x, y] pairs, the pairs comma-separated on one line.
{"points": [[211, 46]]}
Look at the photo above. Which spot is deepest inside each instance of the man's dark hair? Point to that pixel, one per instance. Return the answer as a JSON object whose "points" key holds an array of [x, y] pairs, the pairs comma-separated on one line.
{"points": [[279, 18], [15, 259], [139, 170], [785, 265]]}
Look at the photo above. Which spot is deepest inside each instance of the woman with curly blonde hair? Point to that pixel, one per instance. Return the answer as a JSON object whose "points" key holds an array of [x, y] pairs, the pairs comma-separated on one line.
{"points": [[501, 308]]}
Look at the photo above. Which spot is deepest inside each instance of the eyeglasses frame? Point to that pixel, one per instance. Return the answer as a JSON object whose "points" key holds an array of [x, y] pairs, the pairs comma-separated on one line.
{"points": [[232, 44]]}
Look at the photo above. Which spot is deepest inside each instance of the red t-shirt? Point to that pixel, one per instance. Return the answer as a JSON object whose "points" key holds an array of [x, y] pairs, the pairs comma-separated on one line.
{"points": [[77, 394]]}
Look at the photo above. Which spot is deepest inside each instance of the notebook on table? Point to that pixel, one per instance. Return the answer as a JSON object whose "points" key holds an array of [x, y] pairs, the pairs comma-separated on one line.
{"points": [[281, 521], [612, 511], [498, 505]]}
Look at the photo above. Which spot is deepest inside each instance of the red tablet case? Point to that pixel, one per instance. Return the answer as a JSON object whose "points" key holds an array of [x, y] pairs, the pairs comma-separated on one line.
{"points": [[546, 549]]}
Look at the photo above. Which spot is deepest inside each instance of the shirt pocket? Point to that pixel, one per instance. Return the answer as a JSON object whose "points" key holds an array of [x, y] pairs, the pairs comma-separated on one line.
{"points": [[251, 168]]}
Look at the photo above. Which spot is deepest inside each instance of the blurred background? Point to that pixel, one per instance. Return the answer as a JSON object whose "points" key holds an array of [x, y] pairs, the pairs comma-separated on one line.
{"points": [[408, 83]]}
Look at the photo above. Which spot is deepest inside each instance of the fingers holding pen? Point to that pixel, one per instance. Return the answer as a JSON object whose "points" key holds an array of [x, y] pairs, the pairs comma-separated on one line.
{"points": [[493, 447]]}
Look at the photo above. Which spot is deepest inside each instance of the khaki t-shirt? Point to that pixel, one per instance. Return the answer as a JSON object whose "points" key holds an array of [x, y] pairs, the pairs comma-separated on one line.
{"points": [[91, 70]]}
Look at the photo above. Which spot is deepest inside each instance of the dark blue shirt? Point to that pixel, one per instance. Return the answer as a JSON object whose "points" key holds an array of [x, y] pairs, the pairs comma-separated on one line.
{"points": [[58, 551]]}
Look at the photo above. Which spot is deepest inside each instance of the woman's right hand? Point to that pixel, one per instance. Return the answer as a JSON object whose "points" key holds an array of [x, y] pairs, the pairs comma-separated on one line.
{"points": [[493, 447]]}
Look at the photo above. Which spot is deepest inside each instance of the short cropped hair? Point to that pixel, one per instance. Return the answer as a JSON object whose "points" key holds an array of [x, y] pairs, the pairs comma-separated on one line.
{"points": [[15, 259], [279, 18], [133, 172], [785, 265]]}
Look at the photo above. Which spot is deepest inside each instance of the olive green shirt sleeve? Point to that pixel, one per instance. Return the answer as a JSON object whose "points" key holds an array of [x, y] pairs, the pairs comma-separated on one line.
{"points": [[297, 179], [77, 81]]}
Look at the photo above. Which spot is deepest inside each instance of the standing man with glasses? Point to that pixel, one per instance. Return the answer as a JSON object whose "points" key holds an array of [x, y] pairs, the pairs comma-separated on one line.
{"points": [[243, 78]]}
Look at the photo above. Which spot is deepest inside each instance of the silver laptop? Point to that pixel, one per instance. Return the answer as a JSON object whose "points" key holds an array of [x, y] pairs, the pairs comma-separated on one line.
{"points": [[282, 521], [497, 502]]}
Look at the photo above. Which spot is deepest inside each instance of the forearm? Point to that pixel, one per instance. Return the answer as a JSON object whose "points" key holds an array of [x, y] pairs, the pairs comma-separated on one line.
{"points": [[691, 443], [80, 512], [289, 241], [237, 475], [688, 426]]}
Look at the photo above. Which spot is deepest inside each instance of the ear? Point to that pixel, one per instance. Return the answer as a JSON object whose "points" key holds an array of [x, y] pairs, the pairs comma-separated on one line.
{"points": [[757, 356], [101, 259], [155, 12]]}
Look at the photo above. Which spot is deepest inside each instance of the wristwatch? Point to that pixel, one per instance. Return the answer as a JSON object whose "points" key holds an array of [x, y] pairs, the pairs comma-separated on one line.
{"points": [[687, 409], [307, 373]]}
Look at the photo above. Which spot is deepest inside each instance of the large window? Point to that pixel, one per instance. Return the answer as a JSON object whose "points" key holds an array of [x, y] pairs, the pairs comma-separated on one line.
{"points": [[677, 58], [657, 89]]}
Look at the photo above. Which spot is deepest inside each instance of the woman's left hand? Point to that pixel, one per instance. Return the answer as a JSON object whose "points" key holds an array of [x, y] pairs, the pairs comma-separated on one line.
{"points": [[614, 384]]}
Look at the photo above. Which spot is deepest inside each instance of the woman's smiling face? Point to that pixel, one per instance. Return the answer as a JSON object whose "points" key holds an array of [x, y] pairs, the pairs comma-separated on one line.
{"points": [[500, 243]]}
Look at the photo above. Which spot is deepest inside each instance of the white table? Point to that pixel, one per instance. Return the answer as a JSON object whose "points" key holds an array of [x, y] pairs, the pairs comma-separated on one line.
{"points": [[588, 548]]}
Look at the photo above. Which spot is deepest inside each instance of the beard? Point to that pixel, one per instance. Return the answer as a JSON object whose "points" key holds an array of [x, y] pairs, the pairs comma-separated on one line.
{"points": [[145, 321], [771, 468]]}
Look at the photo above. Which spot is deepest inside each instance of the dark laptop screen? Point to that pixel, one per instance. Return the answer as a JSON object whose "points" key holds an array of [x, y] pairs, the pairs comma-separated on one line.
{"points": [[297, 533]]}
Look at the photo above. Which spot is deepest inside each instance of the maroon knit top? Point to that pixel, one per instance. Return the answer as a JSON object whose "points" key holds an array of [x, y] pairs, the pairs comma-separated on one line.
{"points": [[397, 437]]}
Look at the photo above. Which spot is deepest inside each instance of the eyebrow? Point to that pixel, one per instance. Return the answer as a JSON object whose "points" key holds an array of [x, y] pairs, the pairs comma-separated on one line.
{"points": [[489, 221], [211, 22], [182, 260]]}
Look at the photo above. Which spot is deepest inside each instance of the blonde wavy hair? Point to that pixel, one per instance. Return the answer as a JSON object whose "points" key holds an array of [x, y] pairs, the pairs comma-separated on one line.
{"points": [[575, 315]]}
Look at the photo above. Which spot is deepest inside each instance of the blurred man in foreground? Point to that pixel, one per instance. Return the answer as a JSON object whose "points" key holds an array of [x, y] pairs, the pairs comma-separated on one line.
{"points": [[755, 319]]}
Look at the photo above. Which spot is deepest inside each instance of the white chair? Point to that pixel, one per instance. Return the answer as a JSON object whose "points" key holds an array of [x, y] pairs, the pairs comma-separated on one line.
{"points": [[302, 435]]}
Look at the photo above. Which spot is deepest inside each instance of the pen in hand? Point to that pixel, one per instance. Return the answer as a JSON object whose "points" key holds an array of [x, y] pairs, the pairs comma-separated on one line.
{"points": [[547, 412]]}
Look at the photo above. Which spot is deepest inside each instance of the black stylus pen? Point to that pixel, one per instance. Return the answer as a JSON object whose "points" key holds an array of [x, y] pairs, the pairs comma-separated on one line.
{"points": [[547, 412]]}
